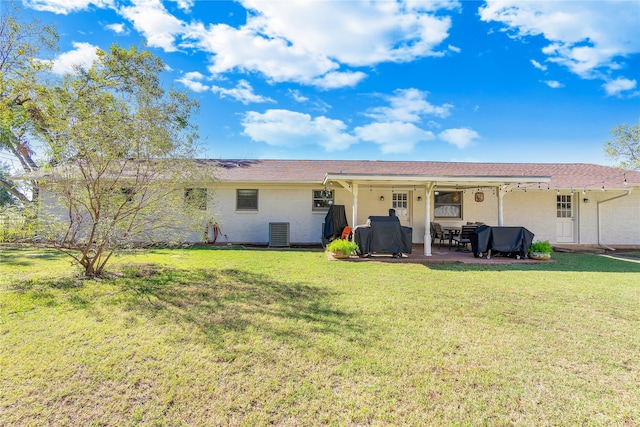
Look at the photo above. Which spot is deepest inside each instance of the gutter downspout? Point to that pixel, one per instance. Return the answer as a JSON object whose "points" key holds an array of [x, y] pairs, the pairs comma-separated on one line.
{"points": [[598, 217]]}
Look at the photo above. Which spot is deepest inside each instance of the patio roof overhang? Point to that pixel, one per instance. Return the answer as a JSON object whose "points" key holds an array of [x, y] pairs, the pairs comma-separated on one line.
{"points": [[434, 181]]}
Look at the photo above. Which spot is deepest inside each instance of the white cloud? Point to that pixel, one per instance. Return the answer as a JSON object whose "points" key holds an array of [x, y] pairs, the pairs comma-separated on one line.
{"points": [[243, 92], [242, 50], [553, 84], [335, 80], [408, 105], [393, 137], [454, 49], [284, 128], [618, 86], [308, 42], [159, 27], [587, 37], [84, 54], [117, 28], [193, 80], [538, 65], [185, 4], [461, 137], [64, 7], [297, 96], [361, 33]]}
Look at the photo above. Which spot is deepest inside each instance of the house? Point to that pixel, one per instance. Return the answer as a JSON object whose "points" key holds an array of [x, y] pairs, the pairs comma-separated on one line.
{"points": [[584, 204]]}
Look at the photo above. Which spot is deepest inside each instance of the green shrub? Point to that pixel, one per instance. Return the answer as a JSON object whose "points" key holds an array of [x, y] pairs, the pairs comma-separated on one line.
{"points": [[347, 247], [541, 246]]}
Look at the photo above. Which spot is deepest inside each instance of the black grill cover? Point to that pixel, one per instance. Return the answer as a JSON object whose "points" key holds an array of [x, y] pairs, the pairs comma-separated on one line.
{"points": [[384, 235], [511, 240], [480, 239], [334, 222]]}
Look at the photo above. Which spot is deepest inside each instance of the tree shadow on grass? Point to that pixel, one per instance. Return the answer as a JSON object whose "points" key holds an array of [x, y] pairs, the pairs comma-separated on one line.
{"points": [[28, 257], [231, 300]]}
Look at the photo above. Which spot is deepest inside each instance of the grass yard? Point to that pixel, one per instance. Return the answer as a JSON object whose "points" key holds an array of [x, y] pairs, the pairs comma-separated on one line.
{"points": [[258, 337]]}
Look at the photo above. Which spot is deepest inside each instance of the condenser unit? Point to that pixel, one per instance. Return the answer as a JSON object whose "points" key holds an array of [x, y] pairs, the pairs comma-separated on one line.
{"points": [[278, 234]]}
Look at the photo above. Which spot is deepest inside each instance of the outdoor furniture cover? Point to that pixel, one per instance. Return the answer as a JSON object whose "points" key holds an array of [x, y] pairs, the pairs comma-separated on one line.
{"points": [[383, 235], [480, 240], [507, 240], [334, 222]]}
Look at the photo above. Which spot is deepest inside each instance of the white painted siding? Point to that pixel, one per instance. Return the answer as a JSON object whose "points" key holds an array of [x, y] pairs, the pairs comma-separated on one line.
{"points": [[292, 204], [534, 209], [619, 218]]}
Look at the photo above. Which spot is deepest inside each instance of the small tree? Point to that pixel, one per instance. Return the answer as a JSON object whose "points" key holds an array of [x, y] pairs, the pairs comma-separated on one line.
{"points": [[625, 147], [122, 151]]}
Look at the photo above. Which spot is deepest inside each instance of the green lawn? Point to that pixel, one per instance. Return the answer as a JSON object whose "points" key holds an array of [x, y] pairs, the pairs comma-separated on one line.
{"points": [[258, 337]]}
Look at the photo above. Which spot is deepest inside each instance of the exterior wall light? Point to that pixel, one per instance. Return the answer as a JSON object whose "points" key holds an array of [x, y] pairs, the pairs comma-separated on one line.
{"points": [[382, 198]]}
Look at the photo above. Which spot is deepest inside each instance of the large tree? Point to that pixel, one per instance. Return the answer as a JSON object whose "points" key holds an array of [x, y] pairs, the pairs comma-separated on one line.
{"points": [[21, 72], [624, 148], [121, 150]]}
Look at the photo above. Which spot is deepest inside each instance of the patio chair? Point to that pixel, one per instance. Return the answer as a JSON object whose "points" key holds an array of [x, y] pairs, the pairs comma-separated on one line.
{"points": [[437, 233], [347, 233], [464, 238]]}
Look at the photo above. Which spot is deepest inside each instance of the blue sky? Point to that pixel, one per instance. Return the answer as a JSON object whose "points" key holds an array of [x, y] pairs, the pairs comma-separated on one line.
{"points": [[505, 81]]}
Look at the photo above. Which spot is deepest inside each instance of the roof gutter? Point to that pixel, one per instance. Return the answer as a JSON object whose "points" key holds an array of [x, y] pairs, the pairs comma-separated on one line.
{"points": [[600, 202], [426, 178]]}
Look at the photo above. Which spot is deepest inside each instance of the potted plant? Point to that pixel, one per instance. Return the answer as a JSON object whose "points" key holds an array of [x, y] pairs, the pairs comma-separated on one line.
{"points": [[340, 248], [540, 250]]}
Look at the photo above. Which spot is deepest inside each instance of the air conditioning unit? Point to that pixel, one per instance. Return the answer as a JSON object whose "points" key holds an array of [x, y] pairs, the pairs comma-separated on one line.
{"points": [[279, 234]]}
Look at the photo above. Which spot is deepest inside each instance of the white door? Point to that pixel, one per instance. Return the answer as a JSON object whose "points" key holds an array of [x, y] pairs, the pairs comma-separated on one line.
{"points": [[401, 205], [565, 218]]}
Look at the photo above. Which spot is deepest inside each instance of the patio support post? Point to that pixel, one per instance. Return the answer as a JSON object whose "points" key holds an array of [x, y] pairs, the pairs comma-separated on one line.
{"points": [[427, 219], [354, 205], [501, 194]]}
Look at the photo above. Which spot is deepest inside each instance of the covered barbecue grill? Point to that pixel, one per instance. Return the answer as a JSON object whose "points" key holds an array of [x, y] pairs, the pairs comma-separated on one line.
{"points": [[334, 222], [512, 241], [383, 235]]}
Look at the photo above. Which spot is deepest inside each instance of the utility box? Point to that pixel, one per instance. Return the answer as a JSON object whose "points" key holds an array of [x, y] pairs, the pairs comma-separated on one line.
{"points": [[278, 234]]}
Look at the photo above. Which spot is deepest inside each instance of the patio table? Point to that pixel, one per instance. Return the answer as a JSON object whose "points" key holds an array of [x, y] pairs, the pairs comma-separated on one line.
{"points": [[452, 231]]}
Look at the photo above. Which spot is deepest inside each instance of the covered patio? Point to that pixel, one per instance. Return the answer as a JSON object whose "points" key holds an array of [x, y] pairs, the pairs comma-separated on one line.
{"points": [[425, 189]]}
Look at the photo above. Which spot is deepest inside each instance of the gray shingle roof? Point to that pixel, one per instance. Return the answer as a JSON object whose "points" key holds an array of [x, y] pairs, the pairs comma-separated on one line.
{"points": [[563, 175]]}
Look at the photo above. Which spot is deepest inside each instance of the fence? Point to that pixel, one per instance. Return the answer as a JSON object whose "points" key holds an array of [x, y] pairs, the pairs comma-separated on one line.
{"points": [[14, 226]]}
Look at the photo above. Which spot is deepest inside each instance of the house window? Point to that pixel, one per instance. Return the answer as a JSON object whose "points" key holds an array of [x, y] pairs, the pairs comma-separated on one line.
{"points": [[196, 197], [448, 204], [399, 203], [247, 200], [564, 207], [322, 199]]}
